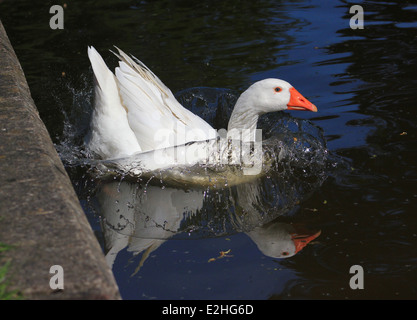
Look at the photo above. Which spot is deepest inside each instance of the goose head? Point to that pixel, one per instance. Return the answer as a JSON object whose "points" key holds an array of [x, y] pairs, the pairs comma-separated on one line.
{"points": [[282, 240], [269, 95]]}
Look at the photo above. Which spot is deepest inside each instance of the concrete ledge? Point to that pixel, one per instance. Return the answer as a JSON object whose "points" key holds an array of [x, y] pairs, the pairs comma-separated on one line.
{"points": [[40, 215]]}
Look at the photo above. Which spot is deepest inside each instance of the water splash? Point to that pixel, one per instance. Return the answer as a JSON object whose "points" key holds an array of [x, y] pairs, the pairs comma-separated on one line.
{"points": [[297, 164], [76, 113]]}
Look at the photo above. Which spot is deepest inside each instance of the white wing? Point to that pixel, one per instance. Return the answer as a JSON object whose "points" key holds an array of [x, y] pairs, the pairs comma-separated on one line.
{"points": [[110, 135], [157, 119]]}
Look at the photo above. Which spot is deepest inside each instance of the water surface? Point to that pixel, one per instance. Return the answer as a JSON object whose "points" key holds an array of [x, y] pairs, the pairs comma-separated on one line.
{"points": [[363, 82]]}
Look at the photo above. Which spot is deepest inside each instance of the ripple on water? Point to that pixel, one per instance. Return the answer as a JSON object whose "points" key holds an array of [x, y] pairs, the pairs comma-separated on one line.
{"points": [[162, 204]]}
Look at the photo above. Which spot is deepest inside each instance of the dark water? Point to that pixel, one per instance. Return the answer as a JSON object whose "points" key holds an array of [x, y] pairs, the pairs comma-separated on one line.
{"points": [[364, 84]]}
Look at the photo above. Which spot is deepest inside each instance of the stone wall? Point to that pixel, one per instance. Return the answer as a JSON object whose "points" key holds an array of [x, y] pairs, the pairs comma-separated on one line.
{"points": [[40, 215]]}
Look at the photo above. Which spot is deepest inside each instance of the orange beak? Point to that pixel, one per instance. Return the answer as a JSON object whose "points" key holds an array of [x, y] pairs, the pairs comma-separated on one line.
{"points": [[298, 102], [301, 239]]}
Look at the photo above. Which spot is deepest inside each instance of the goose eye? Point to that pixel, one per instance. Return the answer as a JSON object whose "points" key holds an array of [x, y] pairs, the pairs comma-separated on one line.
{"points": [[278, 89], [285, 253]]}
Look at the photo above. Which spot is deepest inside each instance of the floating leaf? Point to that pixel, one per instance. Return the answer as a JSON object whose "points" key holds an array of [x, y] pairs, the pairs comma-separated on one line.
{"points": [[223, 254]]}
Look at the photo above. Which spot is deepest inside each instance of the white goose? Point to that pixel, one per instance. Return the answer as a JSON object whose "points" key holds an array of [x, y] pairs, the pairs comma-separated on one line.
{"points": [[134, 112]]}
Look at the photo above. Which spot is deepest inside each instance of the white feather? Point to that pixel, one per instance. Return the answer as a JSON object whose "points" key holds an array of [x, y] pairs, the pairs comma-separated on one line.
{"points": [[110, 134], [154, 114]]}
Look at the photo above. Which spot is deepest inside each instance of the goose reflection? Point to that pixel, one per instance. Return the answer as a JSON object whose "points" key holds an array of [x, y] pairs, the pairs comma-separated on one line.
{"points": [[141, 218]]}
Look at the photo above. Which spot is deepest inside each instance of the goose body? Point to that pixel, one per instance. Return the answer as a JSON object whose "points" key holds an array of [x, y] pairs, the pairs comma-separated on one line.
{"points": [[135, 113]]}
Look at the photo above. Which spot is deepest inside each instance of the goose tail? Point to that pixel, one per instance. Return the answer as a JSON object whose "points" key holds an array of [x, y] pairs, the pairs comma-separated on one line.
{"points": [[110, 134]]}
